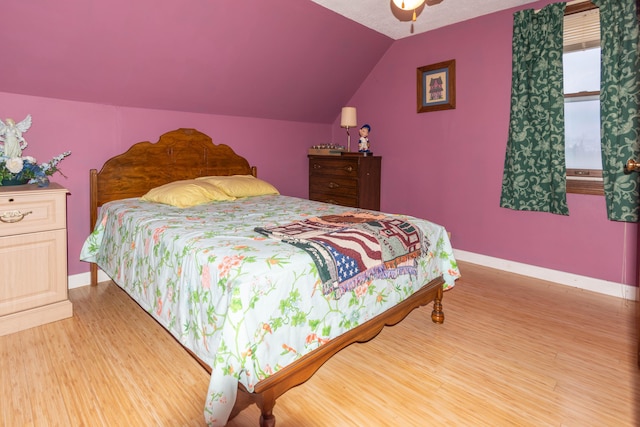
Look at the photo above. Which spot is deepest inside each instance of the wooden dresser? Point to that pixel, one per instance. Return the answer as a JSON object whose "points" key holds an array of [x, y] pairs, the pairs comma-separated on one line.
{"points": [[33, 256], [345, 180]]}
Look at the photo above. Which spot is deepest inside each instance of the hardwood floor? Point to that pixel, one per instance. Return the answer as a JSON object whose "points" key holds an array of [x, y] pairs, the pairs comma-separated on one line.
{"points": [[512, 351]]}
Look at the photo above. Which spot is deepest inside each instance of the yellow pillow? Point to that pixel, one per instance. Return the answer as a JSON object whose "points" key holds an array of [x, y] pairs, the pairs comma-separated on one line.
{"points": [[186, 193], [240, 185]]}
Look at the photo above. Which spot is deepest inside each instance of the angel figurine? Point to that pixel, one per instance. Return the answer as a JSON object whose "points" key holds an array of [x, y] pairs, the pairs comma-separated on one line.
{"points": [[11, 140]]}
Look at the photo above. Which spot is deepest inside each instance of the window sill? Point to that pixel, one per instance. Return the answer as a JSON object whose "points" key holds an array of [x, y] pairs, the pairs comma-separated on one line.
{"points": [[592, 186]]}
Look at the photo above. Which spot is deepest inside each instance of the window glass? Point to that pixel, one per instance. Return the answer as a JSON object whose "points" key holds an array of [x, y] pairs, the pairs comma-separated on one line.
{"points": [[582, 113], [581, 70], [582, 133]]}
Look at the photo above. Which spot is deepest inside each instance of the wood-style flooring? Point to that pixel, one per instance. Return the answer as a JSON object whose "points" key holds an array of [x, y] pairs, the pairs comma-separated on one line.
{"points": [[513, 351]]}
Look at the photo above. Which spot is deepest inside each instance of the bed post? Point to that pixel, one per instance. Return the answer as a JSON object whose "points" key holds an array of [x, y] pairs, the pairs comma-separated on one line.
{"points": [[266, 402], [437, 315]]}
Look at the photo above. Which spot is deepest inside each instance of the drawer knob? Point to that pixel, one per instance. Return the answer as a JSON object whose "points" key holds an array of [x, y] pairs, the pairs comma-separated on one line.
{"points": [[316, 166], [349, 168], [333, 185], [13, 216]]}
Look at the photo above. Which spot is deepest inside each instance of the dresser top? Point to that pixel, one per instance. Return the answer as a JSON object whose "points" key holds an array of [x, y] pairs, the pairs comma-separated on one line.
{"points": [[31, 188], [352, 155]]}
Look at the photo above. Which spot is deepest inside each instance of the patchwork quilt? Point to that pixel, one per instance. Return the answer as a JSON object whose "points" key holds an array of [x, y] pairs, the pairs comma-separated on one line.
{"points": [[354, 247]]}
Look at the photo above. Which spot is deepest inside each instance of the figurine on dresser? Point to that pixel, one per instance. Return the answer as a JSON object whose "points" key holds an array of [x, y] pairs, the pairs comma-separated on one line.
{"points": [[11, 136], [363, 142], [16, 169]]}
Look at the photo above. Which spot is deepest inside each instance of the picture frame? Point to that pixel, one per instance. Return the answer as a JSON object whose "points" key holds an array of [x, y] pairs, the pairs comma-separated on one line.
{"points": [[437, 86]]}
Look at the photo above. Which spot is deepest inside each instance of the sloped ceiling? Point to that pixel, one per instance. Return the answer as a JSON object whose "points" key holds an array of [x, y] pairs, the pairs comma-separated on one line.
{"points": [[278, 59]]}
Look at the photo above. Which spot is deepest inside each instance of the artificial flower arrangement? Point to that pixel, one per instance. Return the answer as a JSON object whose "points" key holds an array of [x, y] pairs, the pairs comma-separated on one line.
{"points": [[17, 169]]}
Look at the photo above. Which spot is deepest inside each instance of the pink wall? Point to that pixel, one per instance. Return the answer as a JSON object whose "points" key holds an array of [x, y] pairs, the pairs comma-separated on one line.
{"points": [[95, 132], [447, 165]]}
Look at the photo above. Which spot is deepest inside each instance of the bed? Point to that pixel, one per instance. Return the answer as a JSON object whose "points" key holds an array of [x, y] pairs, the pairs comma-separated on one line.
{"points": [[250, 304]]}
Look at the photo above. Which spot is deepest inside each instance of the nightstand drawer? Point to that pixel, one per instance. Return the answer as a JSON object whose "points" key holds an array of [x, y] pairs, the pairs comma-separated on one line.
{"points": [[31, 212], [34, 270]]}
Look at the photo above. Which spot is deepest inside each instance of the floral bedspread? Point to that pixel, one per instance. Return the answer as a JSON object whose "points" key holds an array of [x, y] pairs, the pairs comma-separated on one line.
{"points": [[247, 305]]}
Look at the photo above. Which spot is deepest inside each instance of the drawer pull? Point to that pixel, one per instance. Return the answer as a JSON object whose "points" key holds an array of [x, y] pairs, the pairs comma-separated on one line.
{"points": [[349, 168], [13, 216], [333, 185], [316, 166]]}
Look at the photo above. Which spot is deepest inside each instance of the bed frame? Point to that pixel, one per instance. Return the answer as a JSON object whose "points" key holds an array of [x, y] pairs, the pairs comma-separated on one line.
{"points": [[187, 154]]}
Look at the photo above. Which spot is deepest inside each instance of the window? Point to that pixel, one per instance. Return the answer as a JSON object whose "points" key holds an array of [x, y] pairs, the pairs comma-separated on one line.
{"points": [[581, 61]]}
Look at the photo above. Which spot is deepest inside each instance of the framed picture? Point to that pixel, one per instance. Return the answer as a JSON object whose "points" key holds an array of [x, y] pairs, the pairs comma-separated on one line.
{"points": [[437, 86]]}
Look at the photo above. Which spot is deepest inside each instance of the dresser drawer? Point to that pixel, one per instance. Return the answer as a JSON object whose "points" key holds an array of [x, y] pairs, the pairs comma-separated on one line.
{"points": [[28, 212], [332, 189], [338, 166], [333, 198], [333, 184]]}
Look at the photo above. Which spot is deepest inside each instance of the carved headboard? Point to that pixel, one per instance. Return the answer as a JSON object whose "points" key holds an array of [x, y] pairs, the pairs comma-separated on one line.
{"points": [[179, 154]]}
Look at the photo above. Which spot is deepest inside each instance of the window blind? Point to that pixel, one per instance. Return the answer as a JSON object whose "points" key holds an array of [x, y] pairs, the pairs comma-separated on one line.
{"points": [[581, 30]]}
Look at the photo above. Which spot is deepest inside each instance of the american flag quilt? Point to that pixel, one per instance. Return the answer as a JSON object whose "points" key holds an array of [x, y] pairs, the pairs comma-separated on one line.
{"points": [[355, 247]]}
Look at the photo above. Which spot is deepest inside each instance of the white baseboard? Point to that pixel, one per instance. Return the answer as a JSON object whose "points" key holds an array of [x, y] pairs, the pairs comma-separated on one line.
{"points": [[619, 290], [84, 279], [582, 282]]}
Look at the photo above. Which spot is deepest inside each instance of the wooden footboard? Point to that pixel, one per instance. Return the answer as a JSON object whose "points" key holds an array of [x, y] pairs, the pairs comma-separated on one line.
{"points": [[268, 390]]}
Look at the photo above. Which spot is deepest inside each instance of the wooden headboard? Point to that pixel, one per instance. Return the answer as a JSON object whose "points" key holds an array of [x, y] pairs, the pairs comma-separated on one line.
{"points": [[179, 154]]}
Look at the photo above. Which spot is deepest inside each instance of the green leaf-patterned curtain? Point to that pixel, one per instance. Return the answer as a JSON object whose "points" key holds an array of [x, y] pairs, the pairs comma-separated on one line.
{"points": [[619, 104], [534, 169]]}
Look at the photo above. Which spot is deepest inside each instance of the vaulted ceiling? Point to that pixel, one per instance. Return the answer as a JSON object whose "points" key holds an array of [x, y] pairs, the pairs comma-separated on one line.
{"points": [[278, 59]]}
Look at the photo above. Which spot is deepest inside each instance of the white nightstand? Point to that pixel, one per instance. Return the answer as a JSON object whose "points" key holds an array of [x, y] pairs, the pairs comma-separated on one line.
{"points": [[33, 256]]}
